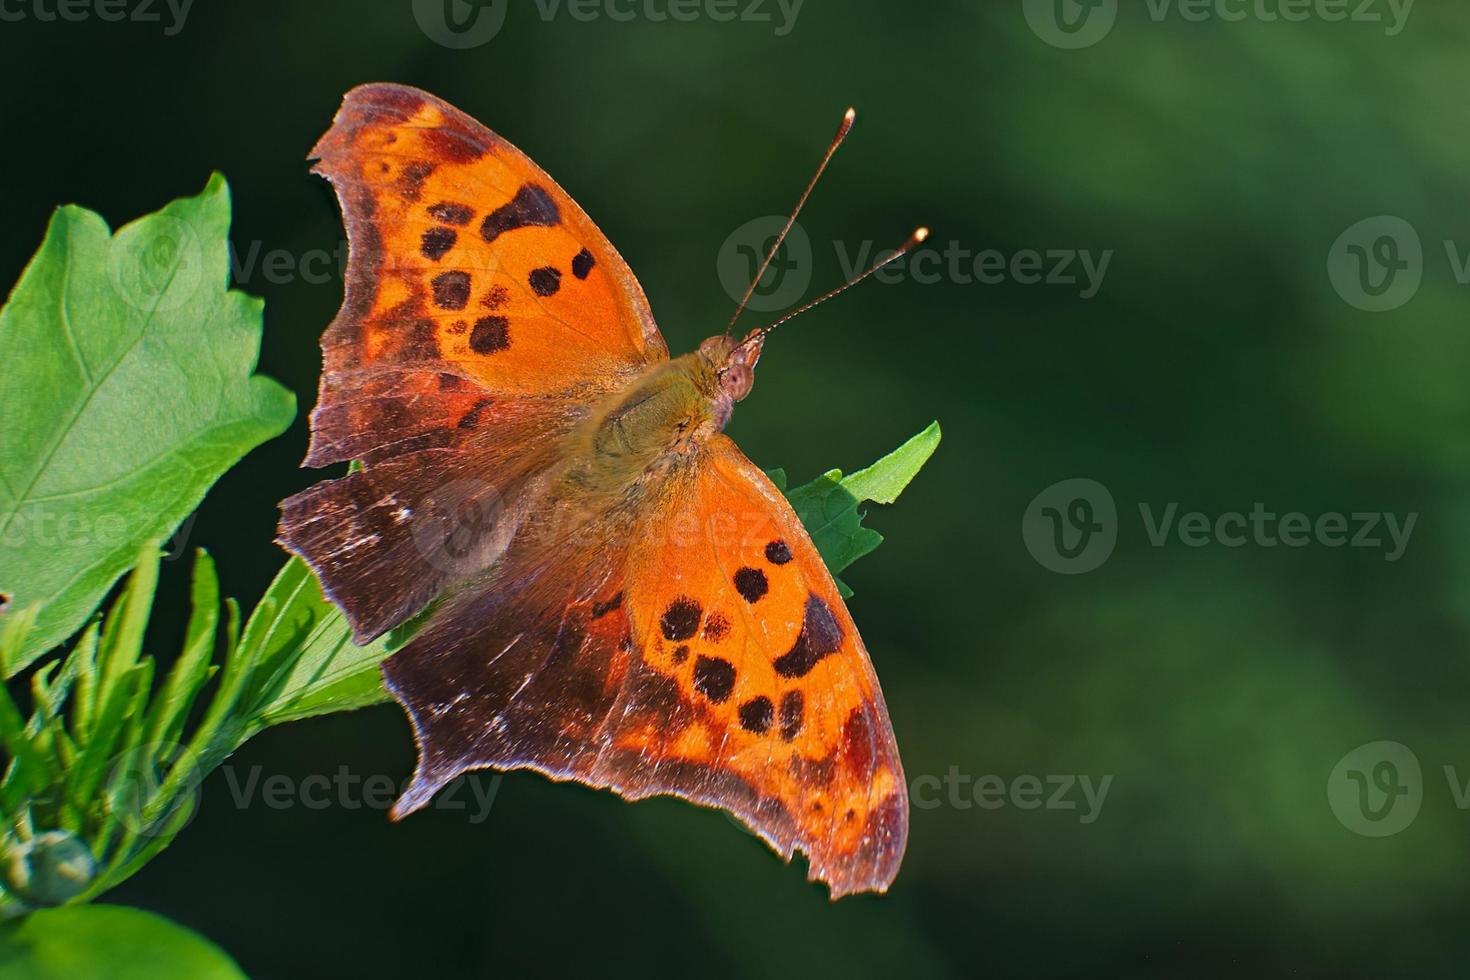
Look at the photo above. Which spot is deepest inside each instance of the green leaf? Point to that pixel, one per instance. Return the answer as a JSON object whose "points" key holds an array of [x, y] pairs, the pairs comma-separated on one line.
{"points": [[192, 670], [312, 665], [828, 506], [128, 390], [92, 942], [882, 482]]}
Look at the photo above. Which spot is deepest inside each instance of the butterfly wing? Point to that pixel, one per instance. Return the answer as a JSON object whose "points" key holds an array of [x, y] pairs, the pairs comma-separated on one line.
{"points": [[482, 309], [715, 661]]}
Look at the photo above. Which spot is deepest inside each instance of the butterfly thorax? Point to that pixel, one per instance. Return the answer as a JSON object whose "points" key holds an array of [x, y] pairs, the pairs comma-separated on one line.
{"points": [[663, 415]]}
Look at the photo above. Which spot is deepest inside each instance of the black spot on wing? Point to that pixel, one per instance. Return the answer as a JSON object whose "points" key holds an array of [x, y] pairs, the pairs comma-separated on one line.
{"points": [[756, 714], [451, 290], [452, 146], [546, 280], [680, 620], [422, 342], [437, 242], [582, 264], [793, 706], [411, 180], [491, 335], [531, 207], [751, 584], [777, 553], [472, 418], [495, 297], [714, 677], [681, 653], [606, 606], [451, 213], [716, 627], [820, 637]]}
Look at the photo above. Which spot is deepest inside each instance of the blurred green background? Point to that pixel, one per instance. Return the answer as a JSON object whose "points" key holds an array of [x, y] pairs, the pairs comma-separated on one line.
{"points": [[1215, 367]]}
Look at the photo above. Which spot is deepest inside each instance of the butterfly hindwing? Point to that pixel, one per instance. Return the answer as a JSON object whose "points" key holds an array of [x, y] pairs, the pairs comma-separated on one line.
{"points": [[713, 661]]}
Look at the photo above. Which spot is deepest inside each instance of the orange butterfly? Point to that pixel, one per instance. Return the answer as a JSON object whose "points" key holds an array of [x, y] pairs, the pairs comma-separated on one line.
{"points": [[616, 594]]}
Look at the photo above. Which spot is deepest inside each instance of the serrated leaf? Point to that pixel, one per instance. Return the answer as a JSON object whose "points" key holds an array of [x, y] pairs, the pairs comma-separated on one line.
{"points": [[89, 942], [882, 482], [828, 506], [128, 390]]}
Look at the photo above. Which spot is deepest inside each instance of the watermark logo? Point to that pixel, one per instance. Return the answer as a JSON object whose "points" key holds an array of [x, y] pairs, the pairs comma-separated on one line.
{"points": [[1071, 24], [458, 24], [153, 789], [1378, 264], [1071, 527], [457, 528], [1376, 790], [158, 271], [785, 280]]}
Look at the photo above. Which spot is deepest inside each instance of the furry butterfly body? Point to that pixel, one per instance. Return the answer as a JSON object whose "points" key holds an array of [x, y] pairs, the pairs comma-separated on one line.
{"points": [[616, 594]]}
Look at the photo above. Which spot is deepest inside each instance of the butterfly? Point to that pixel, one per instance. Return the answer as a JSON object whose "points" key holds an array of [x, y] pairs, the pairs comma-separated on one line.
{"points": [[610, 591]]}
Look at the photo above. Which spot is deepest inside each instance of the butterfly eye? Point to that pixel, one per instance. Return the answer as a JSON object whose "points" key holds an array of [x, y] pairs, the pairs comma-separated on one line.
{"points": [[737, 380], [716, 349]]}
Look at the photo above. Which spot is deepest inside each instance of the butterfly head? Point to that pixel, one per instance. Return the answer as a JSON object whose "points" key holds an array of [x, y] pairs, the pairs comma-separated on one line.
{"points": [[733, 364]]}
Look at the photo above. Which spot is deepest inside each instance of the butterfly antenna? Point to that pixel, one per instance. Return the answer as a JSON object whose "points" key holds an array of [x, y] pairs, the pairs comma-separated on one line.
{"points": [[842, 130], [914, 240]]}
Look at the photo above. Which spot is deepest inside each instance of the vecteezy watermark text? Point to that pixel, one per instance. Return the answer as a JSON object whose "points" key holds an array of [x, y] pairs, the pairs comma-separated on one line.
{"points": [[1024, 792], [1071, 267], [461, 25], [1074, 24], [1266, 529], [786, 279], [1072, 526], [76, 11], [473, 793]]}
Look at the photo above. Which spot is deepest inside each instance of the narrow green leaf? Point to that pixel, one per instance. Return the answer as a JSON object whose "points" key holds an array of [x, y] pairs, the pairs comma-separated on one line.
{"points": [[50, 685], [192, 670], [107, 732], [89, 942], [15, 627], [232, 626], [122, 635], [128, 390], [84, 702], [27, 765], [882, 482]]}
